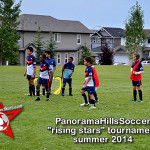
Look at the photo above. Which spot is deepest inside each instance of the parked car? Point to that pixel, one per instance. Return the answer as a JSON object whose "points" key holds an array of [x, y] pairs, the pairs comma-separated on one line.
{"points": [[119, 63], [145, 62]]}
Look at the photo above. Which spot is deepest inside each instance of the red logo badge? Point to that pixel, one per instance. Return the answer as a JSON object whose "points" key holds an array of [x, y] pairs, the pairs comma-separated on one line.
{"points": [[5, 120]]}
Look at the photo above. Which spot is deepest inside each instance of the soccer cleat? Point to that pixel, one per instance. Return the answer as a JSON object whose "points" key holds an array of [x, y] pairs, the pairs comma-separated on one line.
{"points": [[70, 95], [62, 94], [140, 101], [84, 104], [47, 100], [92, 107], [96, 100], [30, 95], [133, 100], [38, 99]]}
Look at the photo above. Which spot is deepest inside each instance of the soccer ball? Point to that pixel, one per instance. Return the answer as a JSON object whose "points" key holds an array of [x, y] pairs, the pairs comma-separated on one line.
{"points": [[4, 122]]}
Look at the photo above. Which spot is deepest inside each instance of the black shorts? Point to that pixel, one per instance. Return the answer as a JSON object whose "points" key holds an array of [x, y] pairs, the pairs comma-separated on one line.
{"points": [[136, 83], [29, 77]]}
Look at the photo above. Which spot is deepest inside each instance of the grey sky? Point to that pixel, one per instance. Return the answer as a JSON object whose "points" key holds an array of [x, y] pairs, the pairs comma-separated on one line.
{"points": [[92, 13]]}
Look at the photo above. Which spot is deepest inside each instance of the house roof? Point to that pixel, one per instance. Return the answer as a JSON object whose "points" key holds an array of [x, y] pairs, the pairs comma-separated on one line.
{"points": [[147, 32], [120, 50], [115, 32], [29, 22]]}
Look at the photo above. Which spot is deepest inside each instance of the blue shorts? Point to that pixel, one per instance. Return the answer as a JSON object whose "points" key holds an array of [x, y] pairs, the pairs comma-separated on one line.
{"points": [[29, 77], [44, 82], [89, 89], [69, 80], [136, 83]]}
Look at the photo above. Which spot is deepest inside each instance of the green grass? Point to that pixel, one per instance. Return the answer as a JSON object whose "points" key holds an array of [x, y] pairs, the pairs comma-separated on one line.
{"points": [[30, 126]]}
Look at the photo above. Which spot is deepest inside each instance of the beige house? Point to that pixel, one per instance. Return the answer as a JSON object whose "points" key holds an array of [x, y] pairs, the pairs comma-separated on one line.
{"points": [[70, 36]]}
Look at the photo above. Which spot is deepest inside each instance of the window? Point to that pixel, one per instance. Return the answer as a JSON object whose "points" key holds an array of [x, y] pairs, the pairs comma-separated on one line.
{"points": [[19, 33], [58, 58], [73, 56], [149, 41], [78, 38], [66, 58], [93, 40], [57, 37]]}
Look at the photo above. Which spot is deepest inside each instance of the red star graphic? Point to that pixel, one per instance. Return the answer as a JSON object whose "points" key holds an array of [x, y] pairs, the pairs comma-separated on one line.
{"points": [[14, 113]]}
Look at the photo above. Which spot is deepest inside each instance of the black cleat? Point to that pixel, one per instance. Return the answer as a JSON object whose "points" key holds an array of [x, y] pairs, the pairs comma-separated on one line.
{"points": [[70, 95], [38, 99]]}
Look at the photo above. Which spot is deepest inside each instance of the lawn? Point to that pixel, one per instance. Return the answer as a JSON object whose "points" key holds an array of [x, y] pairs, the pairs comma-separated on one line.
{"points": [[30, 126]]}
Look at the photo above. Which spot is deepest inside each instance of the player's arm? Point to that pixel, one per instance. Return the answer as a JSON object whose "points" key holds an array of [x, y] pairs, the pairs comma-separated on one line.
{"points": [[54, 67], [63, 68], [25, 72], [86, 82]]}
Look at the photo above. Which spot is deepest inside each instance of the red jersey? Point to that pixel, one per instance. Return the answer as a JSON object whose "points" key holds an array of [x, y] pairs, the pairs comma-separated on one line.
{"points": [[137, 66], [95, 77]]}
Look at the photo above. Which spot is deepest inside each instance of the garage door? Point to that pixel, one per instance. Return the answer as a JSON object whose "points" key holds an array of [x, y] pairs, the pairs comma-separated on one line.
{"points": [[121, 58]]}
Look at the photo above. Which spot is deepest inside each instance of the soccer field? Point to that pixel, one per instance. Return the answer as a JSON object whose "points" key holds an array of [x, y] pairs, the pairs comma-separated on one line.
{"points": [[30, 126]]}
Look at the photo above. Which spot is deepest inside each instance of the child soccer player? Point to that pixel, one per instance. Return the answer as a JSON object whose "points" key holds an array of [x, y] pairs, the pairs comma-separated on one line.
{"points": [[52, 64], [44, 77], [88, 84], [136, 71], [30, 70], [68, 68]]}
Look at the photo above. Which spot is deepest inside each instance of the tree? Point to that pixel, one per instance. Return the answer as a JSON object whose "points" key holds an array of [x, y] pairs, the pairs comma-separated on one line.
{"points": [[107, 56], [50, 45], [9, 13], [135, 36], [86, 52], [39, 45]]}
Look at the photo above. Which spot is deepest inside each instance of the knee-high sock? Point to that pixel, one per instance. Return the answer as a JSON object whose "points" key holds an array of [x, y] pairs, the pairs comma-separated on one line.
{"points": [[43, 91], [63, 89], [33, 90], [92, 102], [140, 94], [134, 94], [38, 93], [70, 91], [95, 95], [84, 98], [47, 95], [30, 90]]}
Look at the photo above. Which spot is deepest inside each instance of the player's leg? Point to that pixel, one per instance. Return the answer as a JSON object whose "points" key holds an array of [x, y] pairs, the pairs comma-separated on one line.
{"points": [[70, 86], [47, 89], [30, 84], [50, 84], [39, 82], [134, 83], [92, 101], [43, 90], [32, 87], [82, 91], [140, 91], [91, 91], [63, 88], [95, 95]]}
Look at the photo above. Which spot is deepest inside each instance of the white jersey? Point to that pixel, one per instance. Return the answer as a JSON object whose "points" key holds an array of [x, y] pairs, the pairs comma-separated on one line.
{"points": [[31, 64]]}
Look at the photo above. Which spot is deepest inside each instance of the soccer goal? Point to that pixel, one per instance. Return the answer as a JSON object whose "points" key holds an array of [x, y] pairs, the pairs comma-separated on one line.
{"points": [[56, 85]]}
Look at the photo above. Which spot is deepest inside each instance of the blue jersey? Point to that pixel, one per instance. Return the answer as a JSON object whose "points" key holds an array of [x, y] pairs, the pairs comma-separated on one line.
{"points": [[68, 70], [51, 62], [89, 73], [44, 70], [31, 64]]}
